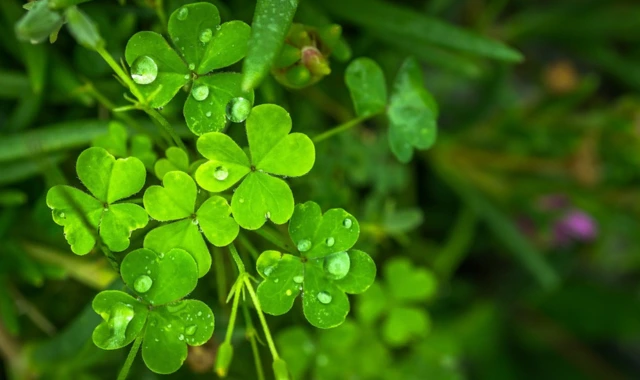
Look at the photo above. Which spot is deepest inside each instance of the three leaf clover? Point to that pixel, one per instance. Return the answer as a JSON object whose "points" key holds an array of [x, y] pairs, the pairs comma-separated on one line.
{"points": [[412, 111], [176, 160], [176, 202], [344, 352], [404, 286], [115, 142], [201, 46], [260, 196], [109, 181], [166, 323], [326, 269]]}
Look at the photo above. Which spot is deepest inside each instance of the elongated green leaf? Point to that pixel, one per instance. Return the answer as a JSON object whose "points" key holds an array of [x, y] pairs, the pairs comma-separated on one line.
{"points": [[384, 16], [367, 86], [271, 22]]}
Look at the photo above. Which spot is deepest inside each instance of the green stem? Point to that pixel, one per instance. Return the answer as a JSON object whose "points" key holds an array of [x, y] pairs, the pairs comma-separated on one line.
{"points": [[234, 309], [251, 335], [457, 244], [273, 237], [248, 246], [237, 259], [141, 99], [341, 128], [162, 16], [221, 275], [263, 321], [121, 74], [132, 355], [157, 116]]}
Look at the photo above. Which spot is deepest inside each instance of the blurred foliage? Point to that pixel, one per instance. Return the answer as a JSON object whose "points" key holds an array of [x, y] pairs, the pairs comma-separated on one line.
{"points": [[514, 239]]}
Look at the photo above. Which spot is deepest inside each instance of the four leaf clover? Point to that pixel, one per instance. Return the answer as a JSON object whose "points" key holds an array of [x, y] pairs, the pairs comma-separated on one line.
{"points": [[170, 324], [203, 46], [325, 270], [109, 181], [260, 196], [176, 202], [404, 285]]}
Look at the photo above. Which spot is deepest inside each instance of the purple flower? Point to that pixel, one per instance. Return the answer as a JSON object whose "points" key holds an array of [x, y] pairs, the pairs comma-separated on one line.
{"points": [[575, 225]]}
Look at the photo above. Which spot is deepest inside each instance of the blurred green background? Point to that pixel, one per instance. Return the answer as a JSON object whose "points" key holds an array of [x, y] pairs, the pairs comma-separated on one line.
{"points": [[510, 250]]}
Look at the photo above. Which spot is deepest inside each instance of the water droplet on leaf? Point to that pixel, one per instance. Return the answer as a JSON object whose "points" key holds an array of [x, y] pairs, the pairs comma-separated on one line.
{"points": [[144, 70], [190, 330], [324, 297], [191, 65], [347, 223], [119, 317], [183, 13], [268, 270], [238, 109], [221, 173], [337, 265], [298, 279], [200, 93], [208, 114], [304, 245], [181, 337], [205, 36], [330, 241], [267, 215], [142, 284]]}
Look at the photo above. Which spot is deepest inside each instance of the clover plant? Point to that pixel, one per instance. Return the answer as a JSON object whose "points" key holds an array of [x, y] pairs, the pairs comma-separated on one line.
{"points": [[211, 197]]}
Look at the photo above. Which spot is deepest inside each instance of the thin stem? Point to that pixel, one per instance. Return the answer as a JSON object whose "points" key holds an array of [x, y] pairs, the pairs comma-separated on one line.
{"points": [[121, 74], [130, 358], [234, 310], [157, 116], [251, 335], [340, 128], [263, 321], [141, 99], [237, 259], [162, 15], [273, 237], [249, 247], [221, 275]]}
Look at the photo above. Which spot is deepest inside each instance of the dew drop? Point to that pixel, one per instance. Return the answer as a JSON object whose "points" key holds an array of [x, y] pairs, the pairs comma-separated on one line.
{"points": [[208, 114], [324, 297], [191, 65], [347, 223], [199, 314], [186, 76], [142, 284], [62, 215], [118, 319], [183, 13], [161, 255], [144, 70], [200, 93], [330, 241], [337, 265], [218, 27], [181, 337], [205, 36], [221, 173], [190, 330], [268, 270], [304, 245], [238, 109], [194, 221], [288, 292], [267, 215], [241, 200], [298, 279]]}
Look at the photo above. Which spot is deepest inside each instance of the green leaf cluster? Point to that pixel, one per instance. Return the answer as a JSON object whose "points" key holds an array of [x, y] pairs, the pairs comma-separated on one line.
{"points": [[324, 271]]}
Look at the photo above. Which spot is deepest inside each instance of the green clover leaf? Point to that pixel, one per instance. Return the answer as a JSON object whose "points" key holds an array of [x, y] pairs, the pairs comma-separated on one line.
{"points": [[115, 142], [412, 112], [274, 151], [202, 45], [176, 202], [177, 160], [404, 286], [324, 272], [168, 323], [109, 180]]}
